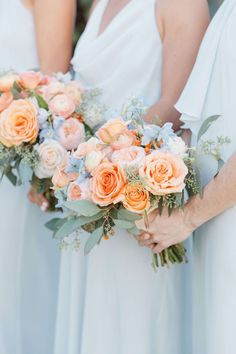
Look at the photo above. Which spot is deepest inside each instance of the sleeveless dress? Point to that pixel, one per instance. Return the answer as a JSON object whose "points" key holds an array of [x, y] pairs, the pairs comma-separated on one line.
{"points": [[28, 259], [112, 302], [210, 91]]}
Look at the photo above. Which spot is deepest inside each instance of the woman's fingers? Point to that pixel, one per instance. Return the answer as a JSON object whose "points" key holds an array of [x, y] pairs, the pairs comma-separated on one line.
{"points": [[38, 199]]}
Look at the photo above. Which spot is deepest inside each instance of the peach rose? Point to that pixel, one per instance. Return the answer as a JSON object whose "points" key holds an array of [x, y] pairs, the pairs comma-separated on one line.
{"points": [[71, 134], [136, 198], [62, 105], [5, 100], [61, 178], [73, 90], [30, 79], [52, 89], [19, 123], [131, 156], [78, 191], [164, 173], [111, 131], [107, 184], [125, 140], [85, 148], [51, 156], [7, 82]]}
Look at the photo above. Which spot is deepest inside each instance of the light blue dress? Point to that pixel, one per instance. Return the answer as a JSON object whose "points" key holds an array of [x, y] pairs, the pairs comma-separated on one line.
{"points": [[210, 91], [29, 259], [112, 302]]}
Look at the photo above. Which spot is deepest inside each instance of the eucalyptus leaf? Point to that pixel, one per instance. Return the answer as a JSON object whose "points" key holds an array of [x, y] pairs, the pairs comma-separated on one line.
{"points": [[41, 102], [124, 224], [84, 220], [55, 224], [25, 172], [67, 228], [134, 231], [206, 125], [125, 214], [93, 240], [83, 207], [12, 178]]}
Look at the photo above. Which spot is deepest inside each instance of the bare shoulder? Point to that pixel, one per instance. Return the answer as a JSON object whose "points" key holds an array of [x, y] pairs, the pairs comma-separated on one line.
{"points": [[189, 12]]}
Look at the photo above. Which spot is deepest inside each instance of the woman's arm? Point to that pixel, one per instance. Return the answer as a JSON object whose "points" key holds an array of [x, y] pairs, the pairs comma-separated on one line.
{"points": [[54, 24], [182, 24], [219, 195]]}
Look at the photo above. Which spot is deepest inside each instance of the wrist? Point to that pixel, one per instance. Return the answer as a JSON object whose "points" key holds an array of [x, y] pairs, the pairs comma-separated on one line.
{"points": [[192, 214]]}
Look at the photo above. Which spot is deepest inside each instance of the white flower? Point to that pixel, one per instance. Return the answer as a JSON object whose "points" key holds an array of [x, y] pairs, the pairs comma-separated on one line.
{"points": [[92, 160], [177, 146], [51, 155]]}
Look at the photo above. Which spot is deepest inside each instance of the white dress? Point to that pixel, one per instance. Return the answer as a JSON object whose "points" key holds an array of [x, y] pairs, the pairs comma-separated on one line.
{"points": [[112, 302], [28, 257], [210, 91]]}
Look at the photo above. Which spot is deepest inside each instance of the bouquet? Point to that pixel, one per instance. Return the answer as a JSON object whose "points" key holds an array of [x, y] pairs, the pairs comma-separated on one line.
{"points": [[118, 177], [42, 118]]}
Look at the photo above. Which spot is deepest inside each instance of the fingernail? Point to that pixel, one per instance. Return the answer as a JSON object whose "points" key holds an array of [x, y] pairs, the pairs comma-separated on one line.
{"points": [[146, 237], [44, 206]]}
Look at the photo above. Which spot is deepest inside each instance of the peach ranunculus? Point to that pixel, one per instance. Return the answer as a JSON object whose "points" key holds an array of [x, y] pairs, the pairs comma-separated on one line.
{"points": [[107, 184], [51, 156], [71, 134], [6, 99], [74, 90], [61, 178], [85, 148], [92, 160], [30, 79], [52, 89], [112, 130], [19, 123], [131, 156], [62, 105], [78, 191], [137, 198], [7, 82], [164, 173], [124, 140]]}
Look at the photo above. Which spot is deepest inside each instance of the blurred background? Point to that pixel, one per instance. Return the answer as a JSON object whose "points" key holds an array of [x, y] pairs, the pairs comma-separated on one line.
{"points": [[84, 5]]}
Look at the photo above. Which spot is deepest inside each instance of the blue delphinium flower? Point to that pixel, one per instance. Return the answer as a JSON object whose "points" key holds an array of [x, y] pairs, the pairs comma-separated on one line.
{"points": [[75, 165], [43, 115]]}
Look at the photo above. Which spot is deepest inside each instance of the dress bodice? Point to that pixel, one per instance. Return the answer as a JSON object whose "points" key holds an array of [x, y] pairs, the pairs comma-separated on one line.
{"points": [[17, 37], [126, 59]]}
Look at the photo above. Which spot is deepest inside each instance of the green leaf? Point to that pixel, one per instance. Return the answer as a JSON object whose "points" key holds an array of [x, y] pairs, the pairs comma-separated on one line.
{"points": [[206, 125], [83, 207], [12, 178], [124, 224], [15, 90], [41, 102], [25, 172], [84, 220], [55, 224], [134, 231], [67, 228], [125, 214], [93, 240]]}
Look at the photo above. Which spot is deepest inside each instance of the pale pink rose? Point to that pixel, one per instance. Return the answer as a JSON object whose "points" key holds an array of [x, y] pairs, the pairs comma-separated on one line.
{"points": [[71, 134], [93, 159], [78, 191], [51, 156], [85, 148], [5, 100], [61, 178], [74, 90], [30, 79], [125, 140], [130, 156], [164, 173], [62, 105], [52, 89], [7, 82]]}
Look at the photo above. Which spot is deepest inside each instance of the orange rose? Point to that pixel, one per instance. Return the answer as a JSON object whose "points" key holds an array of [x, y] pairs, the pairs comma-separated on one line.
{"points": [[164, 173], [19, 123], [30, 79], [136, 198], [7, 82], [111, 131], [107, 184], [5, 100]]}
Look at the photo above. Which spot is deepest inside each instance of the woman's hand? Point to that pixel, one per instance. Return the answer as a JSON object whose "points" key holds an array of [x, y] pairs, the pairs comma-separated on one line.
{"points": [[163, 231], [38, 199]]}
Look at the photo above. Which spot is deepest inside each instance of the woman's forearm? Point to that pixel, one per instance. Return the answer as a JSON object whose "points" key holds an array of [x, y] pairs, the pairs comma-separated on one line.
{"points": [[219, 195]]}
